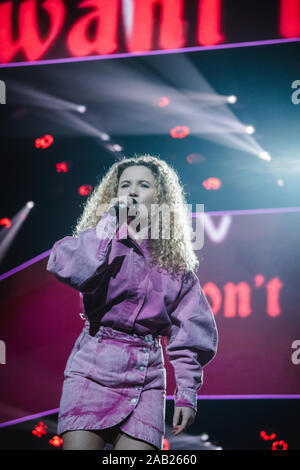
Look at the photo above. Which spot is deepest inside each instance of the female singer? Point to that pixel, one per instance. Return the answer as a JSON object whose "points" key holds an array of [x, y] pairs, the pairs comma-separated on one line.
{"points": [[137, 282]]}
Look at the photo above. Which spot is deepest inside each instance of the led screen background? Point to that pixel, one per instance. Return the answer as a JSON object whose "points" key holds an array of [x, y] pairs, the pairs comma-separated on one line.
{"points": [[35, 30]]}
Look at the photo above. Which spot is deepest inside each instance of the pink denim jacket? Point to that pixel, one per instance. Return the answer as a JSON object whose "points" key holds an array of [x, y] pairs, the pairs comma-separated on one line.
{"points": [[120, 289]]}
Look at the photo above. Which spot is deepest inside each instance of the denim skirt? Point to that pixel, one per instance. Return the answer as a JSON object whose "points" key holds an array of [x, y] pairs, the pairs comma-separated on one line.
{"points": [[115, 381]]}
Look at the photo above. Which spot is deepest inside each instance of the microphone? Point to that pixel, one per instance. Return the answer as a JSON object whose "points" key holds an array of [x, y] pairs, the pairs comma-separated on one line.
{"points": [[114, 210]]}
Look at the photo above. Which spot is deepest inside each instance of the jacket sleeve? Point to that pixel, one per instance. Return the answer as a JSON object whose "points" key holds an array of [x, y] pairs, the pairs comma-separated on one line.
{"points": [[80, 261], [193, 341]]}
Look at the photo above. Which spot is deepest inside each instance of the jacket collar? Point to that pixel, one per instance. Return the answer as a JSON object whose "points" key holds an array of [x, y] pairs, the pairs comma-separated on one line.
{"points": [[142, 245]]}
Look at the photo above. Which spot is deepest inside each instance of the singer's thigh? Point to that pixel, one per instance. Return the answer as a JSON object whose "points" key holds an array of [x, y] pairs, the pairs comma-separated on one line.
{"points": [[126, 442], [82, 440]]}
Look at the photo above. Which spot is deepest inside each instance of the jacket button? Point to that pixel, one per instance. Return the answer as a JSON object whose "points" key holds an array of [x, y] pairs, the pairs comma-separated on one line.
{"points": [[141, 368], [133, 400]]}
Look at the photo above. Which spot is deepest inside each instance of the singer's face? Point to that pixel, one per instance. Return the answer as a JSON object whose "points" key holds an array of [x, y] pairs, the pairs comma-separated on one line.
{"points": [[137, 181]]}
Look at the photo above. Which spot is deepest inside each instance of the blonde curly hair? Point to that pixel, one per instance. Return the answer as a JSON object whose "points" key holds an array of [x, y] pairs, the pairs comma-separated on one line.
{"points": [[174, 254]]}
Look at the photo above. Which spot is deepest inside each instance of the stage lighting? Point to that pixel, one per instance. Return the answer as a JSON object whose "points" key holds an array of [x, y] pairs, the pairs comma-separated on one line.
{"points": [[115, 147], [279, 445], [232, 99], [5, 221], [85, 189], [44, 141], [265, 156], [179, 132], [62, 167], [81, 109], [30, 204], [250, 129], [207, 444], [56, 441], [164, 101], [40, 429], [104, 136], [212, 183]]}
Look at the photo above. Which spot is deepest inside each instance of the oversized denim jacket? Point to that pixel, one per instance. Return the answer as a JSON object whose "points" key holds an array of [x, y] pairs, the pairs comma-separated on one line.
{"points": [[120, 289]]}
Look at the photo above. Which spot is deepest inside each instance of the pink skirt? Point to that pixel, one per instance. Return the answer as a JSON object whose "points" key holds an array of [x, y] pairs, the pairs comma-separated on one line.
{"points": [[115, 381]]}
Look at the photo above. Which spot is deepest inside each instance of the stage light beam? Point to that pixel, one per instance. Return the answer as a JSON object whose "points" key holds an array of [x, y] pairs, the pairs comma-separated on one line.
{"points": [[232, 99], [8, 235], [265, 156], [250, 129], [81, 109]]}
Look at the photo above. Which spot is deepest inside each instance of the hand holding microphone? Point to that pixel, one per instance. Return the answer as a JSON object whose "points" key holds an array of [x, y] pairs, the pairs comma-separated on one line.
{"points": [[122, 202]]}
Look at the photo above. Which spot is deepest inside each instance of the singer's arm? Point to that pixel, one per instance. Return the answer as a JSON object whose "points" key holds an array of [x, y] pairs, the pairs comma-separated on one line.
{"points": [[79, 261]]}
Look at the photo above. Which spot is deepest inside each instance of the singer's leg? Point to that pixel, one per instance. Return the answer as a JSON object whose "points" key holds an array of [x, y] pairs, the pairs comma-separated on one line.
{"points": [[126, 442], [82, 440]]}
